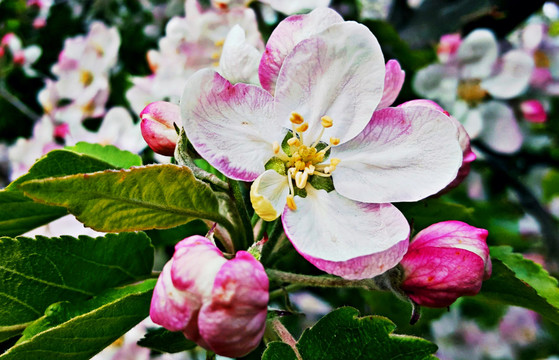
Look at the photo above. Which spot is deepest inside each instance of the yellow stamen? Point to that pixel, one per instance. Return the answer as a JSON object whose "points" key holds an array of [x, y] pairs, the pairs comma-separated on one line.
{"points": [[219, 43], [215, 56], [302, 128], [294, 141], [334, 141], [291, 202], [335, 161], [310, 169], [276, 147], [326, 121], [86, 77], [296, 118]]}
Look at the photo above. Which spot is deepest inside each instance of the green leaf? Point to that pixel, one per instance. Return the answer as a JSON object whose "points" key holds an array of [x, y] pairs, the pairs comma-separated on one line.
{"points": [[148, 197], [343, 335], [108, 153], [427, 212], [166, 341], [519, 281], [80, 330], [61, 163], [20, 214], [35, 273]]}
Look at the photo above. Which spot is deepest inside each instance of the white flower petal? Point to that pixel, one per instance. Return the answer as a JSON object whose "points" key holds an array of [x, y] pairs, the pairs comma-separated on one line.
{"points": [[469, 117], [500, 129], [338, 73], [404, 154], [239, 60], [347, 238], [268, 194], [231, 126], [293, 7], [477, 54], [514, 76], [438, 82]]}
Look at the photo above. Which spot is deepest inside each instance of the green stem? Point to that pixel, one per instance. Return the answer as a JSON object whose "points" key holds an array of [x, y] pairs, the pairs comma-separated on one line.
{"points": [[320, 280], [237, 195], [9, 97], [287, 289], [269, 249], [286, 336]]}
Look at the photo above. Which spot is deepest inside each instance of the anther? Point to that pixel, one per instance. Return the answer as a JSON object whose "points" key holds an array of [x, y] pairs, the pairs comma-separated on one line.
{"points": [[326, 121], [302, 128], [215, 55], [276, 147], [293, 142], [301, 179], [219, 43], [334, 141], [296, 118]]}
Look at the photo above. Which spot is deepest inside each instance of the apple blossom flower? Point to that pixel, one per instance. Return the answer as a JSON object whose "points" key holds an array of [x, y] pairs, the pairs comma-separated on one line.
{"points": [[193, 42], [544, 49], [44, 10], [219, 304], [24, 57], [533, 111], [318, 152], [467, 77], [445, 261], [158, 129]]}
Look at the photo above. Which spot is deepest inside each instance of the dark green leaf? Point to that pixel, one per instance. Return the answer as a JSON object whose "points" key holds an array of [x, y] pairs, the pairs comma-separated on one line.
{"points": [[35, 273], [80, 330], [20, 214], [149, 197], [521, 282], [427, 212], [166, 341], [343, 335]]}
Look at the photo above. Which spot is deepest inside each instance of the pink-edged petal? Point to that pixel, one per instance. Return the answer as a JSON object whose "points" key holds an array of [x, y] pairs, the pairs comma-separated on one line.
{"points": [[286, 35], [233, 322], [477, 54], [393, 82], [467, 154], [436, 277], [514, 77], [338, 73], [500, 129], [268, 195], [346, 238], [404, 154], [231, 126]]}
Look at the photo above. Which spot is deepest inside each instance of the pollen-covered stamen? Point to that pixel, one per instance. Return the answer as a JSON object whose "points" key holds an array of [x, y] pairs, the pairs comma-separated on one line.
{"points": [[276, 147]]}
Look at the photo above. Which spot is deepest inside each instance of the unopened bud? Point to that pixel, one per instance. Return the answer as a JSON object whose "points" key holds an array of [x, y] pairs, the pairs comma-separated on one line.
{"points": [[445, 261], [158, 130], [219, 304]]}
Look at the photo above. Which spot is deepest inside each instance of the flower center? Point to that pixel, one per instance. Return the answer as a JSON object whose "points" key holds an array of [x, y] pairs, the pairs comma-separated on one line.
{"points": [[471, 91], [541, 60], [305, 161]]}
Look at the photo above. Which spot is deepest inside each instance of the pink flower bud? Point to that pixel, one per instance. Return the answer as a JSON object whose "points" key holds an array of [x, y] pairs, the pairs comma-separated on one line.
{"points": [[533, 111], [220, 304], [448, 47], [445, 261], [157, 126]]}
